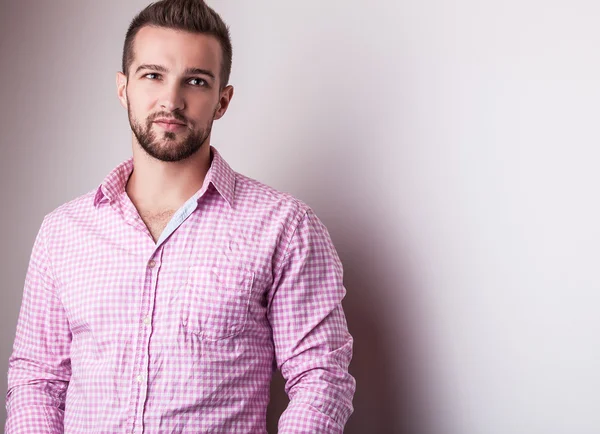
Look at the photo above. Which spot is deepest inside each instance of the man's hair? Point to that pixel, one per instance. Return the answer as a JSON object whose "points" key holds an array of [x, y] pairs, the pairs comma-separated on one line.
{"points": [[193, 16]]}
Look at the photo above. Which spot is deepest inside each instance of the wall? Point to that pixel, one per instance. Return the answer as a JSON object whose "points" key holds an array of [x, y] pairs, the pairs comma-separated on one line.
{"points": [[449, 146]]}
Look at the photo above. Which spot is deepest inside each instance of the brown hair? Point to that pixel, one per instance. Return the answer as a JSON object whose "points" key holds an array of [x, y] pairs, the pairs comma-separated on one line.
{"points": [[193, 16]]}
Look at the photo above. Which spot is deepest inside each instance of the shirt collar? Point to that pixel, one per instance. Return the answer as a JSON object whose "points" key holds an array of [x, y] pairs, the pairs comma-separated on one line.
{"points": [[114, 183], [220, 175]]}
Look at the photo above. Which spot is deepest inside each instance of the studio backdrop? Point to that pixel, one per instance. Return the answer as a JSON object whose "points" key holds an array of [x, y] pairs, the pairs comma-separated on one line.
{"points": [[451, 147]]}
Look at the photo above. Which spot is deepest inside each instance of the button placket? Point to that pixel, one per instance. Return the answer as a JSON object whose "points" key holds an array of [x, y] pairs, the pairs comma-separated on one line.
{"points": [[146, 309]]}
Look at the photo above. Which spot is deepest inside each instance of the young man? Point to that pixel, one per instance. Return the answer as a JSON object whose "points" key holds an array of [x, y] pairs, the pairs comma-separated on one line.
{"points": [[161, 301]]}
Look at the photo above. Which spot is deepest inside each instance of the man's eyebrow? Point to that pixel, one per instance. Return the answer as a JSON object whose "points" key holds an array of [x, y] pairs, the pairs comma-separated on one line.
{"points": [[199, 71], [157, 68], [188, 71]]}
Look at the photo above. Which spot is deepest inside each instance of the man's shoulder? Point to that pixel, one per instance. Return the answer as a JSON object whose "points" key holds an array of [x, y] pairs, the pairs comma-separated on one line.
{"points": [[250, 193], [75, 210]]}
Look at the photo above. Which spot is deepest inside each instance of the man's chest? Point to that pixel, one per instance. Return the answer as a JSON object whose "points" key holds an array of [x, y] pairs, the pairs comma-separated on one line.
{"points": [[156, 222], [210, 279]]}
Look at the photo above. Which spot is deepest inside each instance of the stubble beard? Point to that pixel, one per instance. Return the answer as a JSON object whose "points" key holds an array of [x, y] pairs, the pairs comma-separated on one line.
{"points": [[166, 147]]}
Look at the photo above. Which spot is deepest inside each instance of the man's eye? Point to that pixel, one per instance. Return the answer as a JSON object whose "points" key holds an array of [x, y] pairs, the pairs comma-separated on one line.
{"points": [[197, 82], [151, 75]]}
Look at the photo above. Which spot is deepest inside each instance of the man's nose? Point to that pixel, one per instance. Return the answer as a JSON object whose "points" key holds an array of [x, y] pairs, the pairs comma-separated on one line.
{"points": [[172, 99]]}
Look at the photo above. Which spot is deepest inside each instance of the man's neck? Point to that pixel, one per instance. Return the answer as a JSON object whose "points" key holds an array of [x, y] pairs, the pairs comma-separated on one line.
{"points": [[157, 186]]}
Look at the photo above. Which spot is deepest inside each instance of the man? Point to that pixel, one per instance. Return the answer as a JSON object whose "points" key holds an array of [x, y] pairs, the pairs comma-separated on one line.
{"points": [[163, 300]]}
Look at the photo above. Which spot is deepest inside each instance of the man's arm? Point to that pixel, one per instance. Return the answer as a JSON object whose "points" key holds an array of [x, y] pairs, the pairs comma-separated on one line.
{"points": [[39, 367], [313, 347]]}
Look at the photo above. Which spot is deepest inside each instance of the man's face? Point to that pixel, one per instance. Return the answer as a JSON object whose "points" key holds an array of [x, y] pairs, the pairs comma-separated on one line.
{"points": [[172, 92]]}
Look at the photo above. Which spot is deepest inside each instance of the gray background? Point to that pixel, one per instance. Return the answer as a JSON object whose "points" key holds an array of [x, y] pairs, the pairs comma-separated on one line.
{"points": [[450, 146]]}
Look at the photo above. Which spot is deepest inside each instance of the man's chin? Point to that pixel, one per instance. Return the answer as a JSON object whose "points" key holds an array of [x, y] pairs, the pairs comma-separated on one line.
{"points": [[167, 158], [170, 151]]}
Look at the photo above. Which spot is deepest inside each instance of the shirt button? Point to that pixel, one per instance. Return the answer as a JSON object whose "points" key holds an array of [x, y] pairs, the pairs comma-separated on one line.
{"points": [[139, 378], [146, 320], [151, 264]]}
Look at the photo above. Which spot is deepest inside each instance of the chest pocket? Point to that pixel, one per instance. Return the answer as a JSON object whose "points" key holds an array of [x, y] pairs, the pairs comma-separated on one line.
{"points": [[216, 301]]}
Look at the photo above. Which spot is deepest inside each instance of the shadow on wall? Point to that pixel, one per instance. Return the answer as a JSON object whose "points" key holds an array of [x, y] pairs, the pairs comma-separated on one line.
{"points": [[387, 365], [388, 390], [385, 362]]}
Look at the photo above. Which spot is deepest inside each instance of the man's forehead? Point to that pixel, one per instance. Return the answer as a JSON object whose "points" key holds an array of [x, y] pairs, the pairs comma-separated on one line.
{"points": [[152, 43]]}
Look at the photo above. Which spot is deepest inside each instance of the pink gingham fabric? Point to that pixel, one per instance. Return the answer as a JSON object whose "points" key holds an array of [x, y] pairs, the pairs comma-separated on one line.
{"points": [[119, 334]]}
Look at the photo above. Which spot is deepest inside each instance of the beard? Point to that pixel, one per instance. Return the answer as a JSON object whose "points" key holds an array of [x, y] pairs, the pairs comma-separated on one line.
{"points": [[166, 147]]}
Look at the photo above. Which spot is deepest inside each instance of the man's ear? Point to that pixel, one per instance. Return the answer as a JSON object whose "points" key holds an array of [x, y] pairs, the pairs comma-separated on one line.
{"points": [[224, 100], [121, 88]]}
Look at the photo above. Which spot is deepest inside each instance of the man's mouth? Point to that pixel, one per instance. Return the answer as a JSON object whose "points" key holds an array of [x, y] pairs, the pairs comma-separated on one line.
{"points": [[169, 124]]}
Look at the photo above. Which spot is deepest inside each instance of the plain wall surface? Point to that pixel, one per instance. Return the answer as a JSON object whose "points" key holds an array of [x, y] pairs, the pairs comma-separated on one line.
{"points": [[450, 146]]}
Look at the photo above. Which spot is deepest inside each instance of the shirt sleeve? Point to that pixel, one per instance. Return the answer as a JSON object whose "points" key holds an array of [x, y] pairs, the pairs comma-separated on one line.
{"points": [[39, 367], [313, 347]]}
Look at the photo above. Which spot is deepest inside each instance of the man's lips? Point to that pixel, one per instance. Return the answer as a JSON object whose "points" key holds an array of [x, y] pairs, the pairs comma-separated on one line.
{"points": [[169, 124]]}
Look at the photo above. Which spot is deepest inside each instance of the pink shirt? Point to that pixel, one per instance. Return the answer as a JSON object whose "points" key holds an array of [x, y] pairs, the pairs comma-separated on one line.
{"points": [[118, 333]]}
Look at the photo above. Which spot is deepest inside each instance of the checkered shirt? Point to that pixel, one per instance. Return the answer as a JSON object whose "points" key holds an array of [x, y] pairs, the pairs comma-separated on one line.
{"points": [[118, 333]]}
